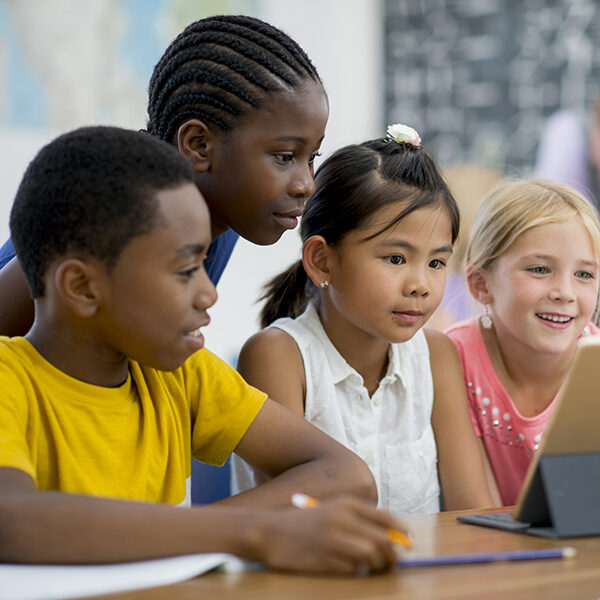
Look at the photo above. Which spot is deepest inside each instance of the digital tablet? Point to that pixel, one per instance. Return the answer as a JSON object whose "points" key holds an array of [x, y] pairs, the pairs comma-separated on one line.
{"points": [[560, 496]]}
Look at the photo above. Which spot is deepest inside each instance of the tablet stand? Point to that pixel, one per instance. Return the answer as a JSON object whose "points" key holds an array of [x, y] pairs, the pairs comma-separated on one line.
{"points": [[571, 489]]}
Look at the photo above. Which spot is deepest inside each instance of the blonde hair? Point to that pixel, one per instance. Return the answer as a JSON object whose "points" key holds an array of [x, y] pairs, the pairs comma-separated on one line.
{"points": [[514, 207]]}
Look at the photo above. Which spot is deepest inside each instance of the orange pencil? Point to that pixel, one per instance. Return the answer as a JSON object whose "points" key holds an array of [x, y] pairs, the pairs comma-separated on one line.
{"points": [[305, 501]]}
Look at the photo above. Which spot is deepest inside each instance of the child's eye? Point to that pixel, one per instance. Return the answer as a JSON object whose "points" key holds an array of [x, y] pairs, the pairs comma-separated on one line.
{"points": [[437, 263], [539, 270], [395, 259], [584, 275], [189, 273], [283, 158]]}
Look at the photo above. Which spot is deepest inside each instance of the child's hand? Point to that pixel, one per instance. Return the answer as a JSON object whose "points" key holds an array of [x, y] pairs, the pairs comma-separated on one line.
{"points": [[346, 535]]}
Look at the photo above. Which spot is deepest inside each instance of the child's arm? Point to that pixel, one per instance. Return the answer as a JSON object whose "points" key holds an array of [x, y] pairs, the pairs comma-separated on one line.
{"points": [[271, 361], [16, 306], [460, 459], [56, 527], [283, 445], [297, 456]]}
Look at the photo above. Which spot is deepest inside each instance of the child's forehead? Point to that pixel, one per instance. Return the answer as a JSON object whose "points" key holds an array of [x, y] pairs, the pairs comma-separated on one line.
{"points": [[397, 218], [291, 108], [182, 201], [393, 214], [554, 237], [182, 221]]}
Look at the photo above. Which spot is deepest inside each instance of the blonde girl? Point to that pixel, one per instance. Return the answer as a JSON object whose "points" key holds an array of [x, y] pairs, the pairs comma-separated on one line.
{"points": [[533, 263]]}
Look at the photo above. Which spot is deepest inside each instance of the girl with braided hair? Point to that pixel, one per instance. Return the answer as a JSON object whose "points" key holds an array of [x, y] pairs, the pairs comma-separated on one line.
{"points": [[242, 101]]}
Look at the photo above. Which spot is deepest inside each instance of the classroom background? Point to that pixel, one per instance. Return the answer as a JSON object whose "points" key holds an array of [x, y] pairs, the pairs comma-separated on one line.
{"points": [[476, 78]]}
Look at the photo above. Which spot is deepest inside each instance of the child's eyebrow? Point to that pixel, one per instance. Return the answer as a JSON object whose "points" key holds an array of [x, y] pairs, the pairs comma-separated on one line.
{"points": [[294, 138], [590, 263], [191, 250], [401, 244], [291, 138]]}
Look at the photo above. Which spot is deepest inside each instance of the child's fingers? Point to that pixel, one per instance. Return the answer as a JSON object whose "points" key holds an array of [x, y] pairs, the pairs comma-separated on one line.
{"points": [[354, 551], [341, 536], [373, 534], [360, 535], [368, 553], [381, 517], [377, 517]]}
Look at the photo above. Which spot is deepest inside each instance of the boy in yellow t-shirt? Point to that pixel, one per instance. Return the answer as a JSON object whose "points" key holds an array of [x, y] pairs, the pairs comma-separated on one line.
{"points": [[110, 393]]}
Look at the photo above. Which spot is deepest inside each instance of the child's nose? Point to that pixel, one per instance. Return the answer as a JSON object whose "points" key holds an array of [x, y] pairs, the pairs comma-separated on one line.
{"points": [[563, 289], [417, 285], [206, 293], [303, 183]]}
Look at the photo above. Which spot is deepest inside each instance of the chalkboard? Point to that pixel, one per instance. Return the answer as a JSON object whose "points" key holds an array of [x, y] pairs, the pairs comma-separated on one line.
{"points": [[478, 78]]}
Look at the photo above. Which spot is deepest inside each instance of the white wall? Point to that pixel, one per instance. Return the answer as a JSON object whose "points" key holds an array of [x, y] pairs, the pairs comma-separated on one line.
{"points": [[17, 148]]}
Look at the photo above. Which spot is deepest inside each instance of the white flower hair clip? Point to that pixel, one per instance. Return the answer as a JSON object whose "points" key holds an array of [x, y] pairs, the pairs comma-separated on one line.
{"points": [[403, 133]]}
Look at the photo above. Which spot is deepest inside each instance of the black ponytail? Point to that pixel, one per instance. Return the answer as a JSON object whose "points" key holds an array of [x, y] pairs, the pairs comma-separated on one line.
{"points": [[285, 295]]}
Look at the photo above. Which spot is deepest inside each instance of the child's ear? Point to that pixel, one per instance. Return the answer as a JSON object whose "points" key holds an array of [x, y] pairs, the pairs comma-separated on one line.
{"points": [[477, 281], [78, 286], [194, 141], [316, 257]]}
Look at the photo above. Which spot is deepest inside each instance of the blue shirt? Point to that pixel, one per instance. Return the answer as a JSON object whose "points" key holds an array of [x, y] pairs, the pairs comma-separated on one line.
{"points": [[6, 253], [219, 254]]}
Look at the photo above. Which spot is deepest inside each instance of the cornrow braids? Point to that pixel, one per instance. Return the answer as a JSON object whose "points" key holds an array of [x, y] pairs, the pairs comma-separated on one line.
{"points": [[220, 68]]}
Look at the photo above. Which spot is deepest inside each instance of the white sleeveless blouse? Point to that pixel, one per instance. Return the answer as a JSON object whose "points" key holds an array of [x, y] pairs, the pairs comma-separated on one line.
{"points": [[391, 431]]}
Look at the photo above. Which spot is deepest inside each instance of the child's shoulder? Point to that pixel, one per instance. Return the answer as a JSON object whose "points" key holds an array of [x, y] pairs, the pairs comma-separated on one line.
{"points": [[439, 344], [468, 339], [16, 351], [272, 361], [288, 334], [467, 329], [272, 344]]}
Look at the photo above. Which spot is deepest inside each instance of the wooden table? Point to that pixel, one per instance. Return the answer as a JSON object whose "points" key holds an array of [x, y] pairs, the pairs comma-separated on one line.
{"points": [[564, 579]]}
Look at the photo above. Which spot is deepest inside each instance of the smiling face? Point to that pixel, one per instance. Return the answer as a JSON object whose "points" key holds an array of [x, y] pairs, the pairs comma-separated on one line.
{"points": [[261, 173], [156, 297], [542, 291], [385, 287]]}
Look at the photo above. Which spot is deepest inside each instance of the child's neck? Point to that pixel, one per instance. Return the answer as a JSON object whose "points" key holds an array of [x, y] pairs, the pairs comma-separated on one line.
{"points": [[531, 380], [367, 355], [78, 355]]}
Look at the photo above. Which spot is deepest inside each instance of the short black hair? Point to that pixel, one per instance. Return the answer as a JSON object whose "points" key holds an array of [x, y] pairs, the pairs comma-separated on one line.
{"points": [[91, 191], [220, 68]]}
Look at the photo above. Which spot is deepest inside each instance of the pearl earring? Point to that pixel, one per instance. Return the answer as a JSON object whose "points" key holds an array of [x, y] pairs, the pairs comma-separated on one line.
{"points": [[486, 320], [324, 284]]}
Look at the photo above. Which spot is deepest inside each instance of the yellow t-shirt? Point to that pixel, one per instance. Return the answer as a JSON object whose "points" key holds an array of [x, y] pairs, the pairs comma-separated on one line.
{"points": [[134, 441]]}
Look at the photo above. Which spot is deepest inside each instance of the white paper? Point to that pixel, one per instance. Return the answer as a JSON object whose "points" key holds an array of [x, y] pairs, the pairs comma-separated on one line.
{"points": [[58, 582]]}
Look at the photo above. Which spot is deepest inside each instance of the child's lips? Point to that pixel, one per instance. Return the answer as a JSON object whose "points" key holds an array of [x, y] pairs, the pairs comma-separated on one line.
{"points": [[555, 320], [288, 220], [408, 316], [196, 332], [195, 337]]}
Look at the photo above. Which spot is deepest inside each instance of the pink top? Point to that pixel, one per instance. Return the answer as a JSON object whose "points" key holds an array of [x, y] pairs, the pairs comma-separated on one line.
{"points": [[510, 439]]}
